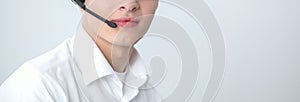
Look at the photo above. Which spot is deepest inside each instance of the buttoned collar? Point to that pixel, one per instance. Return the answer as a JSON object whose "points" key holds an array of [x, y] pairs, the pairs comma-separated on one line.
{"points": [[93, 65]]}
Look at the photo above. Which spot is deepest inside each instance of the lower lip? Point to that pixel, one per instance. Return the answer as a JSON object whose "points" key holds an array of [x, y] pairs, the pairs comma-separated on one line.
{"points": [[127, 24]]}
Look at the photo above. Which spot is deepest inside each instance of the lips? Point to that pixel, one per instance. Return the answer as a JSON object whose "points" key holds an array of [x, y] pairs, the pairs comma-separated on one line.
{"points": [[126, 22]]}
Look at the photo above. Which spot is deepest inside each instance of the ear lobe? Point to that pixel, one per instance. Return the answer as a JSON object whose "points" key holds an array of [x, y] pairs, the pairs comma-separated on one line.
{"points": [[83, 2]]}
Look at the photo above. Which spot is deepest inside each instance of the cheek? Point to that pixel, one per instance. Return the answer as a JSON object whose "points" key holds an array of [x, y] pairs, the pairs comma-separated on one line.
{"points": [[148, 6], [104, 8]]}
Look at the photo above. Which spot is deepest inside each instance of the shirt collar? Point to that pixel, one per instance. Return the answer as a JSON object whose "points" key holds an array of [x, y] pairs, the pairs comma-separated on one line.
{"points": [[137, 74], [93, 65]]}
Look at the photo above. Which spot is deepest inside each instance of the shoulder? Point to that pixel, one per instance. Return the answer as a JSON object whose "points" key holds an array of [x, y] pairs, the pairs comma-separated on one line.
{"points": [[44, 77], [24, 85], [56, 64]]}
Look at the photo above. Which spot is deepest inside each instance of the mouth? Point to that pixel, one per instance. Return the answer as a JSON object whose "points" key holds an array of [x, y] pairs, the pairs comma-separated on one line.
{"points": [[126, 22]]}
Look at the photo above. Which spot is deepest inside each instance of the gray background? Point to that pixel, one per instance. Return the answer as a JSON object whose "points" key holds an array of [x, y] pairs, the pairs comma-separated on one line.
{"points": [[262, 50], [29, 28], [261, 39]]}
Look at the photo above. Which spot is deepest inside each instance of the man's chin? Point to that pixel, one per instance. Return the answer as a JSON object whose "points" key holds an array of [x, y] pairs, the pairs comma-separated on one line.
{"points": [[126, 42], [123, 44]]}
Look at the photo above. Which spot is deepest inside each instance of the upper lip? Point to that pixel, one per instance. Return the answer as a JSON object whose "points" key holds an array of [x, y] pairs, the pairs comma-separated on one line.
{"points": [[125, 19]]}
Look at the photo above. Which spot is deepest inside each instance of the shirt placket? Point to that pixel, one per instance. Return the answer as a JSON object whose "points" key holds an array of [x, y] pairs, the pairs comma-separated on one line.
{"points": [[117, 87]]}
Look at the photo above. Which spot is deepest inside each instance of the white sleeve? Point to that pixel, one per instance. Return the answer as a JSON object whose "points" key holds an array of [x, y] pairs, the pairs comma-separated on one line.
{"points": [[25, 86]]}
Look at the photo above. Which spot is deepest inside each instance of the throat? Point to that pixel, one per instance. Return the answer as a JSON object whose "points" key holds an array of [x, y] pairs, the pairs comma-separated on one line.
{"points": [[117, 56]]}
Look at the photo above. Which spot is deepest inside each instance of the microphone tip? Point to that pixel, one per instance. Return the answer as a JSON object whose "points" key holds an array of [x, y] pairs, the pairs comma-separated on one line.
{"points": [[112, 24]]}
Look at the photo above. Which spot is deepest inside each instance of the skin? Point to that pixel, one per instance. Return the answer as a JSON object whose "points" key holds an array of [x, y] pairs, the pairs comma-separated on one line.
{"points": [[116, 44]]}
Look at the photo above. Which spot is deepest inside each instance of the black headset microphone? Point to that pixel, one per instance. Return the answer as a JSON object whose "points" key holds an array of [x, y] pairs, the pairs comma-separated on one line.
{"points": [[80, 3]]}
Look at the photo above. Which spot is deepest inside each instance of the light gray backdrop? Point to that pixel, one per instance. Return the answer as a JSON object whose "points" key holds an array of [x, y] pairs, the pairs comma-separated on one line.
{"points": [[261, 39]]}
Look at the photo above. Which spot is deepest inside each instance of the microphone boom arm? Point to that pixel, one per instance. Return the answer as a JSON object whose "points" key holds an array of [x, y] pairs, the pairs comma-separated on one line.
{"points": [[109, 23]]}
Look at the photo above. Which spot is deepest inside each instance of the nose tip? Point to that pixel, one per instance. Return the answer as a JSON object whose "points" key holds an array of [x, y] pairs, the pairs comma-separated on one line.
{"points": [[130, 7]]}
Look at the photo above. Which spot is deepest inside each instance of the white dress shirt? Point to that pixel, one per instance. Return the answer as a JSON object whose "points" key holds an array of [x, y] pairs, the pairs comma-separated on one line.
{"points": [[77, 71]]}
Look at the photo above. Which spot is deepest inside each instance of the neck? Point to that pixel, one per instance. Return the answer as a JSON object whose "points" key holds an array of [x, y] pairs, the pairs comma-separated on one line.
{"points": [[117, 56]]}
